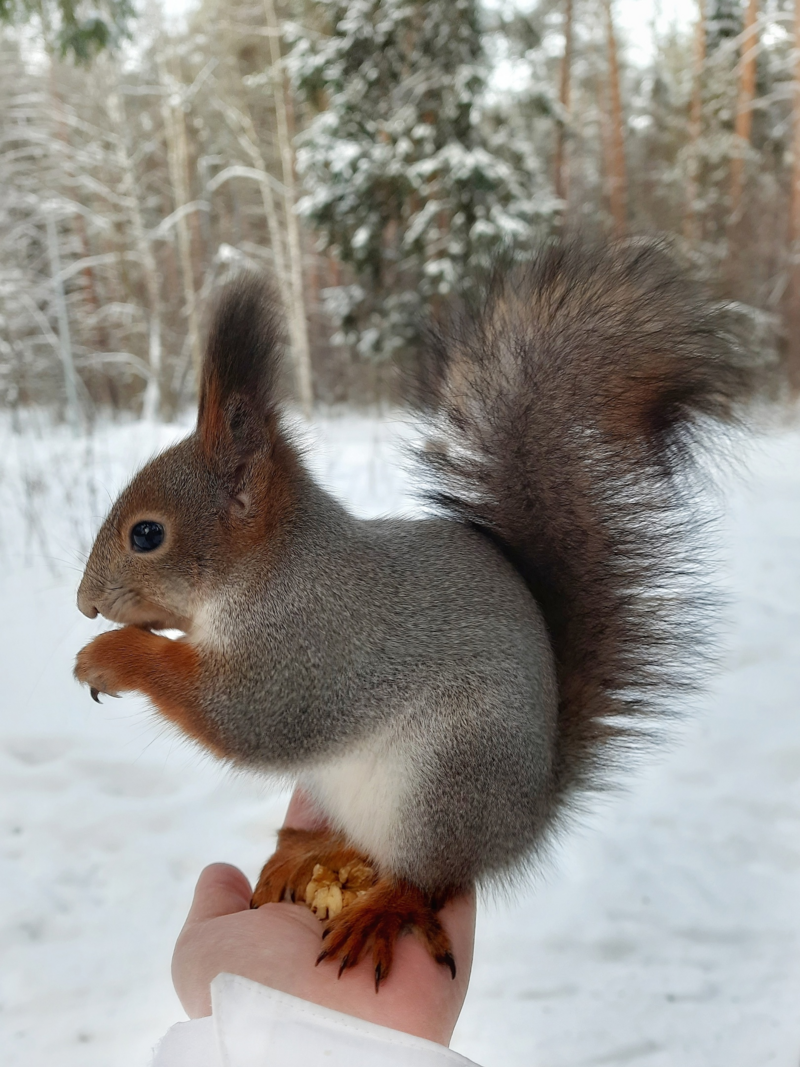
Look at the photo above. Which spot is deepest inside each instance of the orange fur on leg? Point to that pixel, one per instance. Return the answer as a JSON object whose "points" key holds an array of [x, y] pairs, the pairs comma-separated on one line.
{"points": [[166, 671], [291, 868]]}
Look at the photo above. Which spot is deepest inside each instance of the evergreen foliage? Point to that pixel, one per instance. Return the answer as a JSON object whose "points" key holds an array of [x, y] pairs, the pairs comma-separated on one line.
{"points": [[426, 140], [406, 183], [74, 27], [725, 20]]}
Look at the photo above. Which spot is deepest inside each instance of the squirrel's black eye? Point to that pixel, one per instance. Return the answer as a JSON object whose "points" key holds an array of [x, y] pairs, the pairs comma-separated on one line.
{"points": [[147, 535]]}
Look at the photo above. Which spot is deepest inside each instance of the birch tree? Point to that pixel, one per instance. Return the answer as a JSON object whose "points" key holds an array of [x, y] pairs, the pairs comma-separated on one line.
{"points": [[131, 201], [173, 116], [296, 309], [792, 304]]}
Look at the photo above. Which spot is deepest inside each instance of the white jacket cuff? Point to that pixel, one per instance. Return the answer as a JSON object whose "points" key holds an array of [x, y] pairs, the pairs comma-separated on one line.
{"points": [[252, 1025]]}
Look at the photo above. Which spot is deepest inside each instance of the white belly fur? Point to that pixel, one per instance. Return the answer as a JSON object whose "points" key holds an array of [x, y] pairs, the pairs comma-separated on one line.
{"points": [[362, 793]]}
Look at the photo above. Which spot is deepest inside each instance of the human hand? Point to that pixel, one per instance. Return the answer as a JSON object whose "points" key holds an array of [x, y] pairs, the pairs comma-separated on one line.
{"points": [[278, 944]]}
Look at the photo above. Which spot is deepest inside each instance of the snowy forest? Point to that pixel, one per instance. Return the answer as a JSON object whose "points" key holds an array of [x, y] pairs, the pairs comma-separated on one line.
{"points": [[372, 156]]}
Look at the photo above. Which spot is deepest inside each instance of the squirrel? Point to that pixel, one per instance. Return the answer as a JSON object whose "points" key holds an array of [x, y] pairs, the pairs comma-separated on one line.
{"points": [[442, 687]]}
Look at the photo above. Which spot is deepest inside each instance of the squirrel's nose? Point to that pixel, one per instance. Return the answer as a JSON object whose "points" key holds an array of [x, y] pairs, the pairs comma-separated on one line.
{"points": [[86, 606]]}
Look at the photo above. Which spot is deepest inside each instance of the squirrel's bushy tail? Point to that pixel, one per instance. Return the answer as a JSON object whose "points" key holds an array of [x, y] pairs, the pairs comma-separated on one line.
{"points": [[566, 407]]}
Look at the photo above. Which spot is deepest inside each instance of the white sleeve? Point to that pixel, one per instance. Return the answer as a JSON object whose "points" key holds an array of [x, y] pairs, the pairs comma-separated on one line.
{"points": [[252, 1025]]}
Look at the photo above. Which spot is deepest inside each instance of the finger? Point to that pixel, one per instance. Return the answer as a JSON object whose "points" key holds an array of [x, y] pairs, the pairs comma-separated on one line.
{"points": [[458, 919], [302, 813], [221, 890]]}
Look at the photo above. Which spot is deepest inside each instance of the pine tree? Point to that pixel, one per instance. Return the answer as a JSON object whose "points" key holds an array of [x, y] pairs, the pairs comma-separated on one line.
{"points": [[712, 93], [73, 27], [725, 20], [560, 167], [404, 183], [744, 106], [690, 228], [616, 171]]}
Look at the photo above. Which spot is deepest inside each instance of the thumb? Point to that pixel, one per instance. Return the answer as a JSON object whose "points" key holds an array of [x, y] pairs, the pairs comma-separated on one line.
{"points": [[221, 890]]}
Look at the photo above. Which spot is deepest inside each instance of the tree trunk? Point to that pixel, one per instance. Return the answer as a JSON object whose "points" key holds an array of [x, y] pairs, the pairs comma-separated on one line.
{"points": [[298, 319], [561, 164], [744, 107], [240, 121], [691, 224], [151, 403], [792, 319], [78, 221], [615, 163], [64, 339], [177, 159], [794, 220]]}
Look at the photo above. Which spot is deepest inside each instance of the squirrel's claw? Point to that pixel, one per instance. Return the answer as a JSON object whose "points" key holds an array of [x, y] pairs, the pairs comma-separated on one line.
{"points": [[96, 695], [97, 665]]}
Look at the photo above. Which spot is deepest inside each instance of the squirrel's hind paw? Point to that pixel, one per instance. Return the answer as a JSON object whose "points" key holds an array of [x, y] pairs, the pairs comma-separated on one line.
{"points": [[376, 919], [365, 914]]}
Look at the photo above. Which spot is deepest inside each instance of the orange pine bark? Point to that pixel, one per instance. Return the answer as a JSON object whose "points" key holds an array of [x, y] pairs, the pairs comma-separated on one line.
{"points": [[615, 165], [690, 221], [561, 166], [744, 106]]}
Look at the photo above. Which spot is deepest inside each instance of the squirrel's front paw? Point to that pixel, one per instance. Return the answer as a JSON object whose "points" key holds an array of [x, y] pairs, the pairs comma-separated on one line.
{"points": [[105, 663]]}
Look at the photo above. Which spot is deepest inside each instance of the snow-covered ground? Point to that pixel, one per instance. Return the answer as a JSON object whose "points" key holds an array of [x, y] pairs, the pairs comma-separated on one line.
{"points": [[666, 930]]}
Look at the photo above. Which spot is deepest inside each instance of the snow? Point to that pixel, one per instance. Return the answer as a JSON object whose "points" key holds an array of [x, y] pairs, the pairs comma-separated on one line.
{"points": [[664, 931]]}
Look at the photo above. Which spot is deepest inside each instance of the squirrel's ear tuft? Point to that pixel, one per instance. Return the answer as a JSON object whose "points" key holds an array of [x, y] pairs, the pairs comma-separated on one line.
{"points": [[241, 367]]}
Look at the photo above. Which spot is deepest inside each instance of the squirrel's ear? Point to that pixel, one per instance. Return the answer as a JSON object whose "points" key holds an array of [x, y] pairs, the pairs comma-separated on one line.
{"points": [[240, 371]]}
